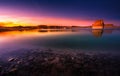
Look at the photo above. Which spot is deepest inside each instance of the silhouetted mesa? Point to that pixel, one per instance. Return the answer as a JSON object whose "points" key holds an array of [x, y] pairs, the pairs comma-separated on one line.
{"points": [[99, 24]]}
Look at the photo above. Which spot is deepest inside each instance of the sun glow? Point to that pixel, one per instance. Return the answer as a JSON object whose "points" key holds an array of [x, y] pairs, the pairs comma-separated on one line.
{"points": [[13, 21], [31, 21]]}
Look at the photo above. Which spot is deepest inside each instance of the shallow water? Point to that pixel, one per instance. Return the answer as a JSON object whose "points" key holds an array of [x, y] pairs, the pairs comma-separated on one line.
{"points": [[83, 40]]}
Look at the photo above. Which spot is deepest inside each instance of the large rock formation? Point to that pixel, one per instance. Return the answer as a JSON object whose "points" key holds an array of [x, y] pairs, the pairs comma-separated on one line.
{"points": [[99, 24]]}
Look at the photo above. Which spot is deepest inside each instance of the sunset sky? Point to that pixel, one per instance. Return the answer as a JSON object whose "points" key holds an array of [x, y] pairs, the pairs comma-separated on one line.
{"points": [[58, 12]]}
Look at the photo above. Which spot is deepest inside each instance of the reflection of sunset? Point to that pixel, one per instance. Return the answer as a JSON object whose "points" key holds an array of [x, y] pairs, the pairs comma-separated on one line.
{"points": [[13, 35], [19, 33], [27, 33]]}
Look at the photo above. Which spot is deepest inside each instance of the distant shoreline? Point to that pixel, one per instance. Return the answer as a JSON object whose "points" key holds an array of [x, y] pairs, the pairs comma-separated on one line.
{"points": [[4, 29]]}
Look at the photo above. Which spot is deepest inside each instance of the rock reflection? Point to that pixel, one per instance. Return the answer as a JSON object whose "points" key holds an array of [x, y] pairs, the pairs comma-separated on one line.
{"points": [[97, 32], [108, 31]]}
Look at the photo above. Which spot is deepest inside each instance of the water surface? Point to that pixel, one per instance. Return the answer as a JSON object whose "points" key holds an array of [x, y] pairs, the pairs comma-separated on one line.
{"points": [[82, 40]]}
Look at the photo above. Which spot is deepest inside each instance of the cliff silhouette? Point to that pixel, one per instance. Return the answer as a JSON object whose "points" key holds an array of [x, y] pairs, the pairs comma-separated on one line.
{"points": [[99, 24]]}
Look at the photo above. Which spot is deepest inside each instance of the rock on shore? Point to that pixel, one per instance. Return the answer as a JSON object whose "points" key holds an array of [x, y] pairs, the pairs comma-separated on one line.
{"points": [[50, 63]]}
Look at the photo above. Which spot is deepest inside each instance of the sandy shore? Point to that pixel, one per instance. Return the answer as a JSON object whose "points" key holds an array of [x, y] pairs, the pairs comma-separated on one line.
{"points": [[62, 63]]}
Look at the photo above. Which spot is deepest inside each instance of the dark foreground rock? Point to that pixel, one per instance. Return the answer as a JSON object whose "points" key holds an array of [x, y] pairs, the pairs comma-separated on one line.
{"points": [[50, 63]]}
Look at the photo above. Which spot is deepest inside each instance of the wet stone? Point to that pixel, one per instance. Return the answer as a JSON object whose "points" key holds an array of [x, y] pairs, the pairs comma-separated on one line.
{"points": [[13, 70], [11, 59], [56, 60]]}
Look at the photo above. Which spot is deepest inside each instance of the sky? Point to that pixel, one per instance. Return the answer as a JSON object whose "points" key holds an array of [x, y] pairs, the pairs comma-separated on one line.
{"points": [[58, 12]]}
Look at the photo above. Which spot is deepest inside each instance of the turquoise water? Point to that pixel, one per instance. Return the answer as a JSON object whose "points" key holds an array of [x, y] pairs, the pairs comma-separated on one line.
{"points": [[83, 40]]}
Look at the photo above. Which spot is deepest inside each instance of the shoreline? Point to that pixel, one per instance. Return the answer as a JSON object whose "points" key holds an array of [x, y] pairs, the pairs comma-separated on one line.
{"points": [[51, 63]]}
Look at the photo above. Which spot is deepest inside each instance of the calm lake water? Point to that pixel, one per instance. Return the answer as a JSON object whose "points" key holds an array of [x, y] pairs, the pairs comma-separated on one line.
{"points": [[82, 40]]}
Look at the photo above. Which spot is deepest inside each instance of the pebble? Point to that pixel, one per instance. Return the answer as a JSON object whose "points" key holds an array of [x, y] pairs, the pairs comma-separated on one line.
{"points": [[13, 70], [56, 60], [11, 59]]}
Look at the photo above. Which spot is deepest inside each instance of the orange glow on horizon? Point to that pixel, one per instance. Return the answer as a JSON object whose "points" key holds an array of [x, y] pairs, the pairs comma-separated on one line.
{"points": [[32, 21], [15, 17]]}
